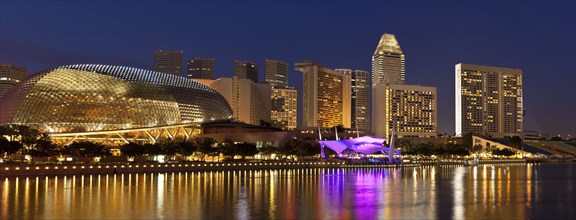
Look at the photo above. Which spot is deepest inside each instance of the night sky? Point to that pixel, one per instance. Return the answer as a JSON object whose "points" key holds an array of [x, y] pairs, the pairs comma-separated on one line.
{"points": [[538, 37]]}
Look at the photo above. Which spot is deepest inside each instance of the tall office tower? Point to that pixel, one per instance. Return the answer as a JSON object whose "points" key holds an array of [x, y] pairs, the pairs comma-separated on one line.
{"points": [[360, 102], [284, 108], [10, 75], [168, 62], [250, 102], [246, 70], [276, 73], [388, 67], [412, 108], [388, 63], [488, 100], [201, 68], [323, 96]]}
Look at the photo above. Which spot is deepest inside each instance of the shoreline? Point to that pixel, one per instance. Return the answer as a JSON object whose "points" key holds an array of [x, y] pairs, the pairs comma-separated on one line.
{"points": [[19, 170]]}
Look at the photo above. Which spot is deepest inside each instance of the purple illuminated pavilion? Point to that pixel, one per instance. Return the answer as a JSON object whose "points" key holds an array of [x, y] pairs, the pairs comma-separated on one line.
{"points": [[361, 145]]}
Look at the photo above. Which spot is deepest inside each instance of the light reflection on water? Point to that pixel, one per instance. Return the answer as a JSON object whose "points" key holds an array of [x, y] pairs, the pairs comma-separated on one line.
{"points": [[429, 192]]}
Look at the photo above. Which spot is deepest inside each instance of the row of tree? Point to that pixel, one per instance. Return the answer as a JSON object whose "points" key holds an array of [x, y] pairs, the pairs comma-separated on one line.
{"points": [[452, 149], [207, 146], [24, 139]]}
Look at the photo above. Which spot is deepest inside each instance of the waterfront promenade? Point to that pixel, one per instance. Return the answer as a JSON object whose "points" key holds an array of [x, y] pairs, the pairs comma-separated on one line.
{"points": [[118, 168]]}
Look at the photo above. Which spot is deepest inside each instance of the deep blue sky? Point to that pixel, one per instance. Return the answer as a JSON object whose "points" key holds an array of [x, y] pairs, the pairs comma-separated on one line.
{"points": [[538, 37]]}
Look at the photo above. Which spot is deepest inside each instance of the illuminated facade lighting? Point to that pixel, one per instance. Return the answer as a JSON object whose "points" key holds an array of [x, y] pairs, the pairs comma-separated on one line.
{"points": [[284, 108], [388, 62], [360, 101], [488, 100], [102, 98], [323, 96], [413, 108], [388, 67], [250, 102]]}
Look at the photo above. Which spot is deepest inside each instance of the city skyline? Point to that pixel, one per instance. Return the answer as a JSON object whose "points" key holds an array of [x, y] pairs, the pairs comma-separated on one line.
{"points": [[512, 36]]}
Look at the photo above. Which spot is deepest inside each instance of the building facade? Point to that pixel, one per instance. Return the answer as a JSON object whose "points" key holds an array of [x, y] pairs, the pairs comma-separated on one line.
{"points": [[388, 62], [168, 62], [246, 70], [388, 67], [284, 108], [10, 75], [201, 68], [276, 73], [488, 100], [411, 109], [250, 102], [323, 96], [360, 98]]}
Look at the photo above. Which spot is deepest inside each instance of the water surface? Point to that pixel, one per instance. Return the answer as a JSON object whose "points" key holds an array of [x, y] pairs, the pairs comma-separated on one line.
{"points": [[429, 192]]}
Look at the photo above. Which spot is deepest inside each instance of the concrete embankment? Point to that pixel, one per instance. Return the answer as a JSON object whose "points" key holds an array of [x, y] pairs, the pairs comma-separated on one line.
{"points": [[75, 169], [461, 161]]}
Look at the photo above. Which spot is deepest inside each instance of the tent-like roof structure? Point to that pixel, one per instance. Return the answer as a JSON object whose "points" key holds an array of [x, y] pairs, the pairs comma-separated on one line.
{"points": [[363, 145]]}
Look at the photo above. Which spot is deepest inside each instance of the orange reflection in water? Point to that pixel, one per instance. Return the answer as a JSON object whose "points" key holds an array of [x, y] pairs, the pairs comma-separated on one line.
{"points": [[428, 192]]}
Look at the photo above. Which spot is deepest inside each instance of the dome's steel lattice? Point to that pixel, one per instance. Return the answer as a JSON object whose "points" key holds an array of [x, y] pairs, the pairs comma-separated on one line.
{"points": [[95, 98]]}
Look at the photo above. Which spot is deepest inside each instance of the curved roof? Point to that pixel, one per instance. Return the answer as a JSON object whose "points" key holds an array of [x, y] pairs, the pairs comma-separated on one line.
{"points": [[363, 145], [93, 97], [388, 44]]}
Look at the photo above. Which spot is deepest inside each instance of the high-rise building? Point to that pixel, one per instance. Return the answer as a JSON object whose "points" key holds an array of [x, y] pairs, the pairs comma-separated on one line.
{"points": [[488, 100], [388, 62], [360, 101], [323, 96], [284, 108], [10, 75], [250, 102], [412, 108], [276, 73], [168, 62], [388, 67], [201, 68], [246, 70]]}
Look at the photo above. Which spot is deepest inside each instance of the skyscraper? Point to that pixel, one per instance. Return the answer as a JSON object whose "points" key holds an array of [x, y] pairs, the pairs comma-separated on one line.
{"points": [[168, 62], [246, 70], [323, 96], [250, 102], [488, 100], [388, 67], [388, 62], [201, 68], [10, 75], [360, 101], [276, 73], [284, 108], [412, 107]]}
